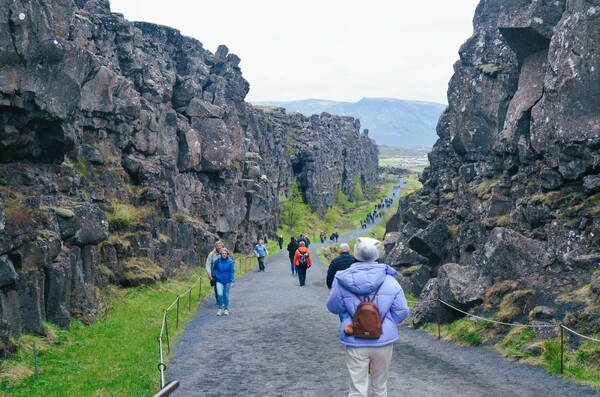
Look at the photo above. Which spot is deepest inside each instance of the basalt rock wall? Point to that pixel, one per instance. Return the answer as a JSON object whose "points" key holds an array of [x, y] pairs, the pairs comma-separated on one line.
{"points": [[126, 149], [510, 201]]}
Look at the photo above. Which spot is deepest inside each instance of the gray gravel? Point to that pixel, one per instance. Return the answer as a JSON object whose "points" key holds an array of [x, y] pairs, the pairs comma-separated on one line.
{"points": [[280, 340]]}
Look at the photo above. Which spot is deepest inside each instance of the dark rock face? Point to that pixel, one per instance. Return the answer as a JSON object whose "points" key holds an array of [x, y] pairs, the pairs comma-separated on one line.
{"points": [[514, 174], [126, 149]]}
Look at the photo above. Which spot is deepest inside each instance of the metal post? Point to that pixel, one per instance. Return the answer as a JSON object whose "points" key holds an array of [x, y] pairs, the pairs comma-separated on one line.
{"points": [[562, 343], [161, 367], [35, 359], [439, 317], [200, 289], [177, 315], [167, 332]]}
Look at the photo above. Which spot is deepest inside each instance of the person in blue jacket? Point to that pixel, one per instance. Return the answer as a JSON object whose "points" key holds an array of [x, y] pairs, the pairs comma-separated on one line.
{"points": [[261, 251], [363, 278], [224, 273]]}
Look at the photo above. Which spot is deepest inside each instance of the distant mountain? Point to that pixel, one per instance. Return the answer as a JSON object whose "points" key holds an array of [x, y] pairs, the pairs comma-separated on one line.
{"points": [[391, 122]]}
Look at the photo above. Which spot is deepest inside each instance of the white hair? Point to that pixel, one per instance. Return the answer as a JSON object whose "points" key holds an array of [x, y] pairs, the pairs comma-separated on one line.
{"points": [[367, 249]]}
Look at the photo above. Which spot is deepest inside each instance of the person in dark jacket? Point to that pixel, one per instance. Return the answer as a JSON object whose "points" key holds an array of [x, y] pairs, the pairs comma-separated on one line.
{"points": [[292, 247], [341, 262]]}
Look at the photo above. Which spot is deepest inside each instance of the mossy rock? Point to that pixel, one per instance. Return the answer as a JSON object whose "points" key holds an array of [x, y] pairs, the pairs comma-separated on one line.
{"points": [[63, 212], [514, 304], [490, 69], [139, 271], [493, 296]]}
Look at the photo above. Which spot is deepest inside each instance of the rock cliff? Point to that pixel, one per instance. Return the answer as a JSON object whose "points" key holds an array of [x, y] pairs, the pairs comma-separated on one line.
{"points": [[126, 149], [510, 202]]}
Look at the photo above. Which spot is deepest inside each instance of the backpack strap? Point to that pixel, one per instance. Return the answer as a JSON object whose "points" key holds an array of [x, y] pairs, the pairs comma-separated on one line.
{"points": [[366, 297]]}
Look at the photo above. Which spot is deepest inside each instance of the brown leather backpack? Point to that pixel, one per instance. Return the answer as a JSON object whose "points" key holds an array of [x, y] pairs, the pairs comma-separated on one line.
{"points": [[367, 321]]}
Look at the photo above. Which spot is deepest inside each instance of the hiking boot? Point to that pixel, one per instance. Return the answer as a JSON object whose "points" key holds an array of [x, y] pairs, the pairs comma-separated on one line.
{"points": [[226, 312], [219, 312]]}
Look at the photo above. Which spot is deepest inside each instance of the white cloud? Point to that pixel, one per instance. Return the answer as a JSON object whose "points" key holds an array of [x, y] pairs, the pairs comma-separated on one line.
{"points": [[328, 49]]}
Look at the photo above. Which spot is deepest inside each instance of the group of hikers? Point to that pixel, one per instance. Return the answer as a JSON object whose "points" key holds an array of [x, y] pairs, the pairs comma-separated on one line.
{"points": [[363, 293]]}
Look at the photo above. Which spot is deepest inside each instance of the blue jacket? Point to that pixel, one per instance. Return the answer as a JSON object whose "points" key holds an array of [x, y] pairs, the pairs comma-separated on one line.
{"points": [[224, 270], [261, 250], [363, 278]]}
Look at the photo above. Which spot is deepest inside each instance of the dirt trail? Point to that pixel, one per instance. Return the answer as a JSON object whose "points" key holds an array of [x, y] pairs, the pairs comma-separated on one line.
{"points": [[280, 340]]}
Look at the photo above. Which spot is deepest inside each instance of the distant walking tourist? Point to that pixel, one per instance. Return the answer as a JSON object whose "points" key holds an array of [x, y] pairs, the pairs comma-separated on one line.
{"points": [[224, 273], [261, 251], [280, 241], [376, 281], [210, 259], [341, 262], [303, 261], [292, 247]]}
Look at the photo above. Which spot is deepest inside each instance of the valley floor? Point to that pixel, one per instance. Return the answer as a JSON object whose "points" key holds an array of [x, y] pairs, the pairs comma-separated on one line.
{"points": [[280, 340]]}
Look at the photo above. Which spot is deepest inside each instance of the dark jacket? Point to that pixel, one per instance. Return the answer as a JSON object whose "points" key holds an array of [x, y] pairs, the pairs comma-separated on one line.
{"points": [[292, 247], [342, 262]]}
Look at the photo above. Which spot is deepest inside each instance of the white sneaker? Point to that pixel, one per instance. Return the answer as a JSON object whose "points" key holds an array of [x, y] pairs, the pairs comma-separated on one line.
{"points": [[226, 312], [219, 312]]}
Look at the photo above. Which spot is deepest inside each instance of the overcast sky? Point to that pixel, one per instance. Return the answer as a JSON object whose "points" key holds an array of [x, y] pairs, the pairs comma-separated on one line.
{"points": [[340, 50]]}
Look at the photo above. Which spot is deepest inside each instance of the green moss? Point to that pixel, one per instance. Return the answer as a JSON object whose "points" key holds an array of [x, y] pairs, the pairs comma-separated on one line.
{"points": [[490, 69], [125, 216], [513, 304], [483, 189], [253, 156], [498, 221], [511, 344], [62, 212], [138, 271], [19, 218], [464, 332], [453, 230]]}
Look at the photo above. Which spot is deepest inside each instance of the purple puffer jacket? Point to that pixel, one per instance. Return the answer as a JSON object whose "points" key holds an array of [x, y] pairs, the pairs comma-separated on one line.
{"points": [[363, 278]]}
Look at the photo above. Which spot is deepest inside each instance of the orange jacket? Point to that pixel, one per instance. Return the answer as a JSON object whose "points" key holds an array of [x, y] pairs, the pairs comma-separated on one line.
{"points": [[297, 255]]}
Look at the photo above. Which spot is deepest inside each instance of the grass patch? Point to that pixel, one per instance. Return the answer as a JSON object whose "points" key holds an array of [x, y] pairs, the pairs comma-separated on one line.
{"points": [[116, 356], [125, 216], [520, 344]]}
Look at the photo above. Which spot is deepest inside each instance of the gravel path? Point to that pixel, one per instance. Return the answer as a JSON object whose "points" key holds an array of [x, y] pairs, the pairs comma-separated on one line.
{"points": [[280, 340]]}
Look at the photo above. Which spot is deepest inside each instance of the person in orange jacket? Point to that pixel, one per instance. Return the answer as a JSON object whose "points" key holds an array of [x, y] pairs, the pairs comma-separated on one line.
{"points": [[302, 261]]}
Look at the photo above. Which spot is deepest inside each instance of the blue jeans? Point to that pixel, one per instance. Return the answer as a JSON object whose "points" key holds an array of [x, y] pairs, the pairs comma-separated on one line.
{"points": [[223, 295], [294, 270]]}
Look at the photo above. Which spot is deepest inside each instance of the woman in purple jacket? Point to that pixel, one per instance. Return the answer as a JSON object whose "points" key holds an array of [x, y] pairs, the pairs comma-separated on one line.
{"points": [[363, 278]]}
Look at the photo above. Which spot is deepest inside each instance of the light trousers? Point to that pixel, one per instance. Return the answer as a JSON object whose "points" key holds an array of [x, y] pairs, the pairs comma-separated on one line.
{"points": [[357, 361]]}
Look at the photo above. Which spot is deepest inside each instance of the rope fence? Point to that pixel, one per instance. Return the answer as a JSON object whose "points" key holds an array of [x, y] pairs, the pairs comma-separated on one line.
{"points": [[166, 389], [480, 318]]}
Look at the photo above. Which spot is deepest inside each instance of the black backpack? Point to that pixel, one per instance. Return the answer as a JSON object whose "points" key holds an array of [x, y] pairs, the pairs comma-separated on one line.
{"points": [[367, 323]]}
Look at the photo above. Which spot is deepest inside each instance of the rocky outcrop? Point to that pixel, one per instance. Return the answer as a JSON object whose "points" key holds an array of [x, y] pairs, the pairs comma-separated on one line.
{"points": [[514, 175], [126, 149]]}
